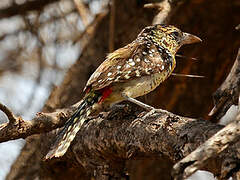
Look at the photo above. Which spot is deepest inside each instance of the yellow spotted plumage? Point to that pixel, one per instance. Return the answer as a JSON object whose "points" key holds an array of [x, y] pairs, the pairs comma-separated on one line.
{"points": [[127, 73]]}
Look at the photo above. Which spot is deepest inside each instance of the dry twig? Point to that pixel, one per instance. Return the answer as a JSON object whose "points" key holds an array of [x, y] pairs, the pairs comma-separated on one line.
{"points": [[89, 30], [161, 133], [12, 119], [165, 10], [112, 26], [228, 93], [210, 149], [83, 11], [43, 122], [24, 8], [225, 96], [115, 140]]}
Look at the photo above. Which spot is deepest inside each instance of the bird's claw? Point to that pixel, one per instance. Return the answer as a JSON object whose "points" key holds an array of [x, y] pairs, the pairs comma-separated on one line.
{"points": [[153, 111]]}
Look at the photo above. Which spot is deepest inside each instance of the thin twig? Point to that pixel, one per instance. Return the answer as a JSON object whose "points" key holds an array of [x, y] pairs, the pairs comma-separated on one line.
{"points": [[43, 122], [90, 29], [164, 9], [222, 139], [112, 26], [22, 9], [83, 11], [211, 148], [12, 119], [227, 94], [34, 30]]}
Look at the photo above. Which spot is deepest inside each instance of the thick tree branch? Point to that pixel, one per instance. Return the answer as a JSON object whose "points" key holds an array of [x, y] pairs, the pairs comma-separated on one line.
{"points": [[108, 138], [43, 122], [225, 96], [210, 149], [24, 8], [228, 93], [109, 141]]}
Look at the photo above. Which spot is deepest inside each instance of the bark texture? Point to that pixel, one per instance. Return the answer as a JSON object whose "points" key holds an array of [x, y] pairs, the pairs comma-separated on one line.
{"points": [[122, 142]]}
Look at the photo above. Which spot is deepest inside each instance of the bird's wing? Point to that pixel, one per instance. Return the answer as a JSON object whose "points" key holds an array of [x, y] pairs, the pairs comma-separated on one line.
{"points": [[129, 62]]}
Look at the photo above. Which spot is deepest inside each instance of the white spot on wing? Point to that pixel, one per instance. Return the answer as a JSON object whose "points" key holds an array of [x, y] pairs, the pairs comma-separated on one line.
{"points": [[162, 67], [132, 63], [109, 74], [109, 79], [119, 67], [127, 65], [146, 70], [116, 79], [146, 60], [137, 73], [127, 76]]}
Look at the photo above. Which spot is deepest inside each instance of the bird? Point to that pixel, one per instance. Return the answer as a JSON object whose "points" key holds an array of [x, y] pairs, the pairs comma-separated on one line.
{"points": [[127, 73]]}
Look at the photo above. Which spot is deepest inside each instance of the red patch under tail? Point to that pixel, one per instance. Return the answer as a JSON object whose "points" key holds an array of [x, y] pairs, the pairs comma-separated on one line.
{"points": [[105, 93]]}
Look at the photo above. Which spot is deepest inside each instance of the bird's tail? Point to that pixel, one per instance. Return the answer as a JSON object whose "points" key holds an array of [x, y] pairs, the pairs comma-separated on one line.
{"points": [[68, 133]]}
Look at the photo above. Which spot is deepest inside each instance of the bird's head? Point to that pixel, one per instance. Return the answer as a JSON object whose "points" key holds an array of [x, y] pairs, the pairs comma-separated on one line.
{"points": [[168, 36]]}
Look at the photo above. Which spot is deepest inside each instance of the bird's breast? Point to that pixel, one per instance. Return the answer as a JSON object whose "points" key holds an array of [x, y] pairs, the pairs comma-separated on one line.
{"points": [[136, 87], [144, 85]]}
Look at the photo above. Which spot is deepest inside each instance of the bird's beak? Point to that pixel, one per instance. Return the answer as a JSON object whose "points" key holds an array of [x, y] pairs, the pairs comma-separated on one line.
{"points": [[190, 39]]}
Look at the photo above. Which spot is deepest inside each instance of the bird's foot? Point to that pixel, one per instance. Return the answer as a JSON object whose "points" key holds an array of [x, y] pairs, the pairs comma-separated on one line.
{"points": [[149, 108], [153, 111]]}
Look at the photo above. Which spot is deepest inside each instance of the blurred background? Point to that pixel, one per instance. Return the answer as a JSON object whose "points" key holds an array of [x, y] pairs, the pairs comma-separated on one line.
{"points": [[36, 49]]}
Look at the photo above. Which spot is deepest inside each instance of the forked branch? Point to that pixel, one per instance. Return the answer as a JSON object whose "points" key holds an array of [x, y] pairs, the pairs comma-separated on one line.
{"points": [[43, 122]]}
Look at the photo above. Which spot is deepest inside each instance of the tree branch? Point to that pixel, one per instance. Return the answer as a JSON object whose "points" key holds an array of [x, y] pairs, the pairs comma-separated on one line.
{"points": [[112, 25], [83, 11], [228, 93], [125, 134], [43, 122], [165, 10], [210, 149], [145, 135], [106, 143], [225, 96], [24, 8], [12, 119]]}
